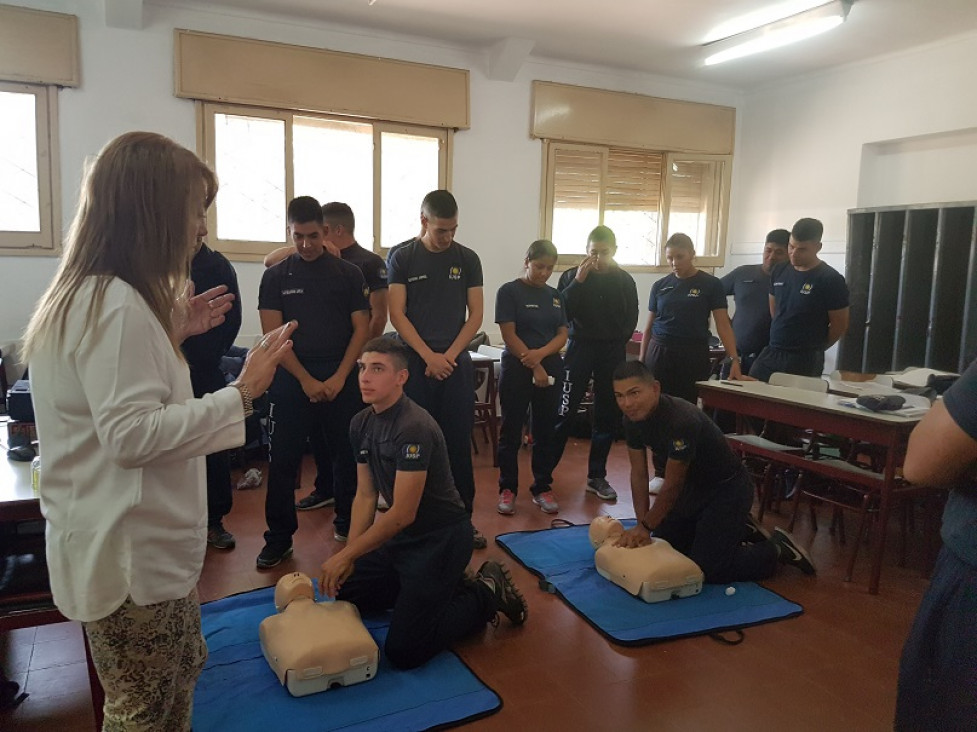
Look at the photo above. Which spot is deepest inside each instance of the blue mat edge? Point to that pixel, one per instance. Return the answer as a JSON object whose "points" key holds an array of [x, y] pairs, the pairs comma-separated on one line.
{"points": [[642, 641], [450, 724]]}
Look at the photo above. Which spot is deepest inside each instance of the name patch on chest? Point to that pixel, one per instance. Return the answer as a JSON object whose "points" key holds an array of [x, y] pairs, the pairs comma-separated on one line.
{"points": [[294, 291], [532, 305], [417, 278]]}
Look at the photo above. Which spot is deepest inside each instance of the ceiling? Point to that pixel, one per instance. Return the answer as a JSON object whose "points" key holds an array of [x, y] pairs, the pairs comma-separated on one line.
{"points": [[656, 36]]}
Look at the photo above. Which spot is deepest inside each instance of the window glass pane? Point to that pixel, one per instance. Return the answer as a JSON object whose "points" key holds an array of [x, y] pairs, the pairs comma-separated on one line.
{"points": [[693, 192], [576, 198], [408, 171], [632, 202], [250, 162], [20, 208], [334, 162]]}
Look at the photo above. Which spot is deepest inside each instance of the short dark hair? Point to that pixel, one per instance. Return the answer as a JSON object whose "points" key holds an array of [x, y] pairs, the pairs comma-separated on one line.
{"points": [[807, 230], [439, 204], [541, 248], [603, 234], [779, 237], [397, 351], [304, 209], [633, 370], [336, 213], [681, 241]]}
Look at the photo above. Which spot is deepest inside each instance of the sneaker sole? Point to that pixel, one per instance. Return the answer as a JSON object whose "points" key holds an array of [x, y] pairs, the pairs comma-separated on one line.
{"points": [[547, 509], [506, 511], [323, 504], [509, 589], [798, 553], [222, 546], [603, 497], [266, 565]]}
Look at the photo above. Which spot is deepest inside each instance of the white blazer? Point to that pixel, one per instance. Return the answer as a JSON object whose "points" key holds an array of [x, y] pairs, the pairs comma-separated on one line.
{"points": [[123, 483]]}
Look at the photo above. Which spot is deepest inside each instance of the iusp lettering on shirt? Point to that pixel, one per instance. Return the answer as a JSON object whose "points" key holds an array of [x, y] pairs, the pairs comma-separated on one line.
{"points": [[412, 451]]}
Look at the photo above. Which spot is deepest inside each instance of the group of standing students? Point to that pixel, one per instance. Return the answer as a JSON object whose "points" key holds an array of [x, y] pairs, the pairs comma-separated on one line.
{"points": [[594, 311]]}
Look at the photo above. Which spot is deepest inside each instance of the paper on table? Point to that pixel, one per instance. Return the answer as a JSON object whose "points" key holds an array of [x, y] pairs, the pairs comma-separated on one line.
{"points": [[918, 377]]}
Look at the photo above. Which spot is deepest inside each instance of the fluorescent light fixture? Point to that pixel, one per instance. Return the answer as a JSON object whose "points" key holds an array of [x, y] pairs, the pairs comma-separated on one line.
{"points": [[779, 33]]}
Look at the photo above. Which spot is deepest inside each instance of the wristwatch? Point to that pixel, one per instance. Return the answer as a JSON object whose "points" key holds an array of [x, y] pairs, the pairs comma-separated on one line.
{"points": [[246, 399]]}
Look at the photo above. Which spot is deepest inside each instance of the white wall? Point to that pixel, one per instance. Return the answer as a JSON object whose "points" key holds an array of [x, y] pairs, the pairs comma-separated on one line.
{"points": [[127, 83]]}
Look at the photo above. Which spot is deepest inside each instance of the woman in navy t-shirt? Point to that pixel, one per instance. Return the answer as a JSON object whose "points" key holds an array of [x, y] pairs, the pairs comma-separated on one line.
{"points": [[675, 345], [533, 322]]}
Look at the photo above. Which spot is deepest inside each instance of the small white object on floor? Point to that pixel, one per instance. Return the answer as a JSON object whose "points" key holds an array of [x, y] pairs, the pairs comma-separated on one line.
{"points": [[655, 485], [251, 479], [730, 591]]}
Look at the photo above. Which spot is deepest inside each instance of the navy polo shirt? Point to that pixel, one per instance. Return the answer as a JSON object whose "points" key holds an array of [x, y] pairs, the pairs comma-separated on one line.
{"points": [[678, 430], [682, 307], [750, 287], [802, 302], [959, 530], [372, 266], [322, 296], [536, 311], [406, 438], [437, 288]]}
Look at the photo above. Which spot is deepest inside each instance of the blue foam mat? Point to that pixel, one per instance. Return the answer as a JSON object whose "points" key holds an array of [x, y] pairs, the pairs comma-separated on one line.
{"points": [[564, 558], [238, 690]]}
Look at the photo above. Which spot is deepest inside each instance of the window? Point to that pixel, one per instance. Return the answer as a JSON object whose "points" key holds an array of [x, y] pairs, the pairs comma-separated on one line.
{"points": [[265, 158], [643, 196], [28, 161]]}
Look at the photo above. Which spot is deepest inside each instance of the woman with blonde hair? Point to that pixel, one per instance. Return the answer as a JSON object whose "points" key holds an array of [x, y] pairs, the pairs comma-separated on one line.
{"points": [[122, 437]]}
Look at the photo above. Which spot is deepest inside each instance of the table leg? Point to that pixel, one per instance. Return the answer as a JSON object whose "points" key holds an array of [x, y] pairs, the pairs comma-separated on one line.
{"points": [[885, 507]]}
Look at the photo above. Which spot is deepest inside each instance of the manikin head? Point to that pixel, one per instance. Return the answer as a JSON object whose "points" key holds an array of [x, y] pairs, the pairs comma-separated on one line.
{"points": [[291, 587], [604, 529]]}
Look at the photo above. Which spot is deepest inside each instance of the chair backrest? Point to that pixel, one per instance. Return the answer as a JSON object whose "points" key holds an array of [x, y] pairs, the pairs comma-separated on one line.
{"points": [[481, 386], [807, 383]]}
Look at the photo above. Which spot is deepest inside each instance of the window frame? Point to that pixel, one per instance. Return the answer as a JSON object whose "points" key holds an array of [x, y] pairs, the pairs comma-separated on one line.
{"points": [[719, 209], [254, 251], [47, 241]]}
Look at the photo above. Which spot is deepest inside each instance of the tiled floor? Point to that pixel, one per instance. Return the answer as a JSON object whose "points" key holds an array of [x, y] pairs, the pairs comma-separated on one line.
{"points": [[833, 668]]}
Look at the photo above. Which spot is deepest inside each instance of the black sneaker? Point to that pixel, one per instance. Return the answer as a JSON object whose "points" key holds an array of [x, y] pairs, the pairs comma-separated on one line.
{"points": [[272, 557], [601, 488], [478, 540], [220, 538], [791, 552], [314, 501], [508, 600], [755, 533]]}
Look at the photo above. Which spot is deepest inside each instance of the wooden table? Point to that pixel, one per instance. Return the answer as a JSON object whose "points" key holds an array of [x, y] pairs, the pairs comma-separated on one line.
{"points": [[822, 413]]}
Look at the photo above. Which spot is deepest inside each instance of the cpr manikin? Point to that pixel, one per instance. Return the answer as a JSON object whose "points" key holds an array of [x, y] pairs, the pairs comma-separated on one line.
{"points": [[654, 572], [312, 646]]}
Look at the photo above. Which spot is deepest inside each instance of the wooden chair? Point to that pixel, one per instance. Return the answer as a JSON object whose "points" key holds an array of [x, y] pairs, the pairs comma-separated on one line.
{"points": [[486, 400]]}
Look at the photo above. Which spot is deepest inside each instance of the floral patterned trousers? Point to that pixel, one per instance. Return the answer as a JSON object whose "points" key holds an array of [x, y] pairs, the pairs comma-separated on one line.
{"points": [[148, 659]]}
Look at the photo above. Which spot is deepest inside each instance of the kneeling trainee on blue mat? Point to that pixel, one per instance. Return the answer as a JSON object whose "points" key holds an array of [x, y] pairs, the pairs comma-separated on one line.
{"points": [[412, 558], [703, 507]]}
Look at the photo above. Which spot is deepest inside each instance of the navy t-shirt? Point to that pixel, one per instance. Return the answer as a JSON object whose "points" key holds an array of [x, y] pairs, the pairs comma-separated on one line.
{"points": [[372, 266], [604, 307], [437, 288], [321, 295], [405, 437], [959, 530], [536, 311], [750, 287], [682, 307], [681, 431], [803, 300]]}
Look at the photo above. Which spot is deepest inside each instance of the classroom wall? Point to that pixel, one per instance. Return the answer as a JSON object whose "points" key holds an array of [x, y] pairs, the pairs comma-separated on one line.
{"points": [[127, 83], [801, 145]]}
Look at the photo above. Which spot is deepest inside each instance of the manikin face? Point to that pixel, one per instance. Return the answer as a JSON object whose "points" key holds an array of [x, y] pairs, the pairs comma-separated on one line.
{"points": [[636, 398], [803, 254], [308, 239], [603, 251], [538, 270], [439, 233], [381, 382], [681, 260], [773, 254]]}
